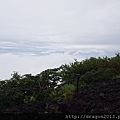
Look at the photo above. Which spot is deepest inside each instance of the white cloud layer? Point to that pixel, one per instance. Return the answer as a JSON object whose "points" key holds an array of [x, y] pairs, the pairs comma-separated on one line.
{"points": [[25, 63]]}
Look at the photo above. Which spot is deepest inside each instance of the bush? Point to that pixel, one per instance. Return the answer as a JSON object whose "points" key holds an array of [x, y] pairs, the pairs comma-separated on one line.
{"points": [[63, 93]]}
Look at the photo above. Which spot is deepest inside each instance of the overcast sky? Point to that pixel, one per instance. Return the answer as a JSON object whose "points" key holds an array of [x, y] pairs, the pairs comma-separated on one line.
{"points": [[39, 34]]}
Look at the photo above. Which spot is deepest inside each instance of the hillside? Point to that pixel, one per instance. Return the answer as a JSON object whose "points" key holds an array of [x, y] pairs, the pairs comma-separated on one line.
{"points": [[55, 90], [101, 97]]}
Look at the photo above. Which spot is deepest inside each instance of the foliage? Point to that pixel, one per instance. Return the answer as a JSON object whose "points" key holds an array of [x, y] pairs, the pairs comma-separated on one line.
{"points": [[56, 84], [63, 93]]}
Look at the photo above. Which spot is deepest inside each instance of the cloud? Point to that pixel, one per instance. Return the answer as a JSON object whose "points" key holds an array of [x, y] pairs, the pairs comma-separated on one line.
{"points": [[25, 64], [59, 21], [40, 48], [35, 35], [34, 63]]}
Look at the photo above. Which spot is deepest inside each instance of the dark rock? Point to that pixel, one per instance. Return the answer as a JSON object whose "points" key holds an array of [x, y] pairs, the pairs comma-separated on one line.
{"points": [[103, 97], [100, 97], [102, 94]]}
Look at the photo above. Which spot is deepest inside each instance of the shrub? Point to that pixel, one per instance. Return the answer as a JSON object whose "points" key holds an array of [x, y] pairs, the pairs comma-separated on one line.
{"points": [[63, 93]]}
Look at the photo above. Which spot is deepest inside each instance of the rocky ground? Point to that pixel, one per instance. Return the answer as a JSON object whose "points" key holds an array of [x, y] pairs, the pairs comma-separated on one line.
{"points": [[100, 97]]}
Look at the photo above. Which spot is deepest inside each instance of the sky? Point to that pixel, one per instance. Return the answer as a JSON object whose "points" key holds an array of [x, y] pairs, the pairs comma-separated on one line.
{"points": [[36, 35]]}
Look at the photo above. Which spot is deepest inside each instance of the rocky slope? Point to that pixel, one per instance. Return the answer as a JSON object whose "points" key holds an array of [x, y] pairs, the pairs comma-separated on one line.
{"points": [[100, 97]]}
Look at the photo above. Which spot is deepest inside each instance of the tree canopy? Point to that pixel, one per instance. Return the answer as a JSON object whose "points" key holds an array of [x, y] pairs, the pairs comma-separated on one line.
{"points": [[56, 84]]}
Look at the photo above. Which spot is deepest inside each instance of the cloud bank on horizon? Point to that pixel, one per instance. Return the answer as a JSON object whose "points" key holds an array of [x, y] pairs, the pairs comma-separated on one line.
{"points": [[39, 34]]}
